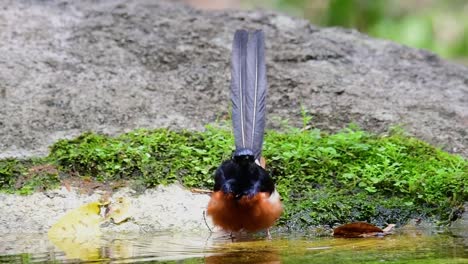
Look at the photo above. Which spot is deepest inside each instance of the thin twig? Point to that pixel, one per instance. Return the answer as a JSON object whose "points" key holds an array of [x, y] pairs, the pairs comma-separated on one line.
{"points": [[196, 190], [206, 223], [268, 234]]}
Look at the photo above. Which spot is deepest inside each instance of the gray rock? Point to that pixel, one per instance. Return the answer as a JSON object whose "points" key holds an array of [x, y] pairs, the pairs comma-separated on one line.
{"points": [[111, 66]]}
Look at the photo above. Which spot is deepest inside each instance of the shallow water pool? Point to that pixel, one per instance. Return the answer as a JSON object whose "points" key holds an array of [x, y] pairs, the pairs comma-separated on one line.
{"points": [[409, 246]]}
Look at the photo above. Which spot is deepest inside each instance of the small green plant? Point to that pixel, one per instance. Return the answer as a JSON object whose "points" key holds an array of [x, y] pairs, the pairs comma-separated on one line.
{"points": [[9, 170], [27, 176], [38, 178]]}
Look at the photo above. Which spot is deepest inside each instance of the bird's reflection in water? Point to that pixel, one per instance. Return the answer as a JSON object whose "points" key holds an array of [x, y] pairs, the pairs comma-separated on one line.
{"points": [[258, 256], [243, 248]]}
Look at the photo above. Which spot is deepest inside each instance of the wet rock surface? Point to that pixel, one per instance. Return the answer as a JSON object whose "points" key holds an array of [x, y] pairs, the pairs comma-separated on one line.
{"points": [[111, 66]]}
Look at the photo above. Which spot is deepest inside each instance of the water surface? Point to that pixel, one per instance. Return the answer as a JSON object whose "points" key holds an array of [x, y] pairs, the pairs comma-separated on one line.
{"points": [[410, 246]]}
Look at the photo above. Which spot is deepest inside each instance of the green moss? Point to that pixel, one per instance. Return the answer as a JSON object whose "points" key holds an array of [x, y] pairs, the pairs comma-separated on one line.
{"points": [[153, 157], [353, 175], [323, 178]]}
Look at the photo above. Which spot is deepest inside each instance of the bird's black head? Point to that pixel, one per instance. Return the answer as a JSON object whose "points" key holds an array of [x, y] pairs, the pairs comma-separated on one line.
{"points": [[243, 156]]}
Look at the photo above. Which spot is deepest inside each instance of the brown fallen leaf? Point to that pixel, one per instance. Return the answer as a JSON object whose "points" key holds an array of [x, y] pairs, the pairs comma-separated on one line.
{"points": [[361, 229]]}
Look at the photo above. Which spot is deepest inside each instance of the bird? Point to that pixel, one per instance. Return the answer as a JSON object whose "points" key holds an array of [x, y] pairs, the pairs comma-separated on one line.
{"points": [[244, 197]]}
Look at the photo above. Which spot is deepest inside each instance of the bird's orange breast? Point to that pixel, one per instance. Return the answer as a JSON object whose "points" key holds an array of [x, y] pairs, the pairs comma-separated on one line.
{"points": [[250, 214]]}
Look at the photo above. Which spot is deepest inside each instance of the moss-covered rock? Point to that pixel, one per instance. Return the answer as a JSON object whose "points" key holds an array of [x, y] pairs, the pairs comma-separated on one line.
{"points": [[324, 179]]}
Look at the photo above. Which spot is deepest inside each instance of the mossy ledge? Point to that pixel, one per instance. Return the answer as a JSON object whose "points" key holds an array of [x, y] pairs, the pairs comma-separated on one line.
{"points": [[324, 179]]}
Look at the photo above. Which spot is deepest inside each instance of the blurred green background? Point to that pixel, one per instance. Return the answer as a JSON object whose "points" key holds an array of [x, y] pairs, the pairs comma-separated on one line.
{"points": [[436, 25]]}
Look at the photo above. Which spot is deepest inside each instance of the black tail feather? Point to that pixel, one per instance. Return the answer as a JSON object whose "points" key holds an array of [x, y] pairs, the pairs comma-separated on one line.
{"points": [[248, 90]]}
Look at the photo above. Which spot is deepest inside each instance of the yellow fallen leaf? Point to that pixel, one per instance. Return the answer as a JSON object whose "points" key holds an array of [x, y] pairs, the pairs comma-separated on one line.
{"points": [[77, 233], [83, 221], [119, 210]]}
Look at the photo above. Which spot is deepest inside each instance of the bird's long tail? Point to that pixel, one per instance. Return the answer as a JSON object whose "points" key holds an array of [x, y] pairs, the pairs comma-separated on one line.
{"points": [[248, 90]]}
